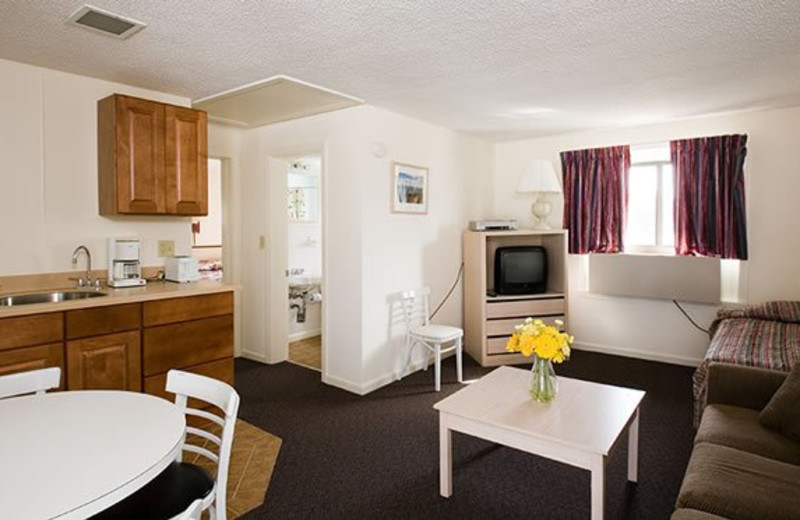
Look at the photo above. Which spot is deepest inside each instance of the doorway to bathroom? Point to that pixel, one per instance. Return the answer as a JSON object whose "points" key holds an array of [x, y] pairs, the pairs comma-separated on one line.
{"points": [[304, 260], [207, 232]]}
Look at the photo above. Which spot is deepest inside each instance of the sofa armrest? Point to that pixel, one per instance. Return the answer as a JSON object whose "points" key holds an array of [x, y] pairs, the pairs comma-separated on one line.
{"points": [[744, 386]]}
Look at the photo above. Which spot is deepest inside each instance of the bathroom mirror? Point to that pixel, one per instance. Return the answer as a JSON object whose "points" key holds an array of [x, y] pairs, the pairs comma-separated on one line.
{"points": [[302, 197]]}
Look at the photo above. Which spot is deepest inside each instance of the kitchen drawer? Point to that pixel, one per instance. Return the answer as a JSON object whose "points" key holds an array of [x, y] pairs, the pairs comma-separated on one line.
{"points": [[37, 329], [506, 326], [103, 320], [174, 310], [222, 370], [525, 308], [33, 358], [497, 345], [187, 344]]}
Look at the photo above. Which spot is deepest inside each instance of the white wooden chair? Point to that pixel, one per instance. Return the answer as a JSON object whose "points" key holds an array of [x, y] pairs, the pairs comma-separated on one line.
{"points": [[171, 494], [415, 308], [32, 381]]}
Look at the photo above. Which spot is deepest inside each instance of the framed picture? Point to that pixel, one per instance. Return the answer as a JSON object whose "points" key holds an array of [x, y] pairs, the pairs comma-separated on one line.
{"points": [[409, 188]]}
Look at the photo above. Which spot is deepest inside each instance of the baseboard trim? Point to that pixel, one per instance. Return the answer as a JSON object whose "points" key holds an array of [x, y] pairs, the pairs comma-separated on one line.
{"points": [[252, 356], [345, 384], [378, 382], [639, 354], [304, 334]]}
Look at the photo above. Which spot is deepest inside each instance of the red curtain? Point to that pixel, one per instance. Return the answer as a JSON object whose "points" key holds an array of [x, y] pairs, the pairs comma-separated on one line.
{"points": [[596, 198], [709, 196]]}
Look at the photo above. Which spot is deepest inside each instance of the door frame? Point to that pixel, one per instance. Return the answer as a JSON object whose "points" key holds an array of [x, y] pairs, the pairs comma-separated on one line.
{"points": [[277, 225]]}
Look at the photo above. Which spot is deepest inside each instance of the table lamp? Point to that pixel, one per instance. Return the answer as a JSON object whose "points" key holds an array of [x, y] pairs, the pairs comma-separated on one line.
{"points": [[540, 178]]}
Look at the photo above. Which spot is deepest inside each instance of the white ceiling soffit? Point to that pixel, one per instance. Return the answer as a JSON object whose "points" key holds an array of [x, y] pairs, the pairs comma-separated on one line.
{"points": [[272, 100]]}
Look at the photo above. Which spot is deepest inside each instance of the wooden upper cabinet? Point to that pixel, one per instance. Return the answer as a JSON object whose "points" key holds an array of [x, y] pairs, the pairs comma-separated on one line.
{"points": [[187, 161], [152, 158]]}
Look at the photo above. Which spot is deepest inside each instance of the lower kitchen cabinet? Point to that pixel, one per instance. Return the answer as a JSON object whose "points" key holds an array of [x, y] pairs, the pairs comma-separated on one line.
{"points": [[109, 362], [128, 346]]}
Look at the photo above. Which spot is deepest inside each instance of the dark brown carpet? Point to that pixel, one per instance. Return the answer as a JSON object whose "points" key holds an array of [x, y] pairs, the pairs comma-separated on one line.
{"points": [[351, 457]]}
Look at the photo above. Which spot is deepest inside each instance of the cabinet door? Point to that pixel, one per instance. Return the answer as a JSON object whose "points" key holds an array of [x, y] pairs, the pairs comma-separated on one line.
{"points": [[111, 362], [186, 161], [139, 136]]}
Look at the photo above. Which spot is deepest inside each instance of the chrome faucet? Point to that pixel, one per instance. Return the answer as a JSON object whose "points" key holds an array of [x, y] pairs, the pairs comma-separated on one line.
{"points": [[87, 282]]}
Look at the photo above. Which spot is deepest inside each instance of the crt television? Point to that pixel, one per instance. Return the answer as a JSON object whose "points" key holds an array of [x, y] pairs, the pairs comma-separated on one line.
{"points": [[520, 270]]}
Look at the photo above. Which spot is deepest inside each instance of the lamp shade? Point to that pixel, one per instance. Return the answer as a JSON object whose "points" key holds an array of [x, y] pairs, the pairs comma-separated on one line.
{"points": [[539, 177]]}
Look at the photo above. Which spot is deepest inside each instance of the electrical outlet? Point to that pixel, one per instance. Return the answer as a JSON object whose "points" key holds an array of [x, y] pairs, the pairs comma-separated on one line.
{"points": [[166, 248]]}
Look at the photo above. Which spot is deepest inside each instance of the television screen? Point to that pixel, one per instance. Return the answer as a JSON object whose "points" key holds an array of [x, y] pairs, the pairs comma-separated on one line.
{"points": [[520, 270]]}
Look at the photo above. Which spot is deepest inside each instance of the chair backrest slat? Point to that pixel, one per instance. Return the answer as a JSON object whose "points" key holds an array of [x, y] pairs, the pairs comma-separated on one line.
{"points": [[415, 306], [205, 415], [201, 451], [204, 434], [32, 381]]}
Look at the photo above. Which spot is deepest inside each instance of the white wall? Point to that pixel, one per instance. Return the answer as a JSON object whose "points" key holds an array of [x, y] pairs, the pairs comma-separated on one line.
{"points": [[48, 177], [226, 143], [652, 328], [369, 252], [404, 251]]}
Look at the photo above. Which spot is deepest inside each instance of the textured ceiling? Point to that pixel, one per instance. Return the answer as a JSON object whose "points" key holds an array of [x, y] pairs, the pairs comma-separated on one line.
{"points": [[470, 65]]}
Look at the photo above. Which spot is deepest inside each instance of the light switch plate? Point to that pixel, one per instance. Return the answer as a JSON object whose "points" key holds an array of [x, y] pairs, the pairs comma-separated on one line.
{"points": [[166, 248]]}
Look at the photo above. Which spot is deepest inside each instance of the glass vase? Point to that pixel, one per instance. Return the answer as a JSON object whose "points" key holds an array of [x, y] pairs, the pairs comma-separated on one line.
{"points": [[544, 383]]}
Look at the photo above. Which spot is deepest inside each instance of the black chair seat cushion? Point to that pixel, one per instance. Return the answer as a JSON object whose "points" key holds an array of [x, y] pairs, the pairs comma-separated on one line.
{"points": [[169, 494]]}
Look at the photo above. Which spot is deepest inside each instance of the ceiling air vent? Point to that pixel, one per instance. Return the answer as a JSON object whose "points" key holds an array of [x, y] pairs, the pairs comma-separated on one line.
{"points": [[104, 22]]}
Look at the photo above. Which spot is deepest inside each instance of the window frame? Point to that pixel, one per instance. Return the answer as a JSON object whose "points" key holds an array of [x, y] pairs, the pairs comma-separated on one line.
{"points": [[659, 249]]}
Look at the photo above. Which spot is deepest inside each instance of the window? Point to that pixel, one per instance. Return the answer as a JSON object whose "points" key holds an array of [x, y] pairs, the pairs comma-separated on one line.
{"points": [[650, 225]]}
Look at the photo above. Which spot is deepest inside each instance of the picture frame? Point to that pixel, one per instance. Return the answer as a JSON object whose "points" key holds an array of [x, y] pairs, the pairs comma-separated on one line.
{"points": [[409, 188]]}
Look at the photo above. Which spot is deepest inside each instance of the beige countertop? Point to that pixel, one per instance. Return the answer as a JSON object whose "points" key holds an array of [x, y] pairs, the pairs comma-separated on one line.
{"points": [[151, 291]]}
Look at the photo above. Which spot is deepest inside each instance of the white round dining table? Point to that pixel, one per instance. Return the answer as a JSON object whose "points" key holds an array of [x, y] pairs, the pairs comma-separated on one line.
{"points": [[69, 455]]}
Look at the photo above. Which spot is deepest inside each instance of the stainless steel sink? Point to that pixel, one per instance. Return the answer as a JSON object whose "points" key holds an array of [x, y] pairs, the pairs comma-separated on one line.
{"points": [[47, 297]]}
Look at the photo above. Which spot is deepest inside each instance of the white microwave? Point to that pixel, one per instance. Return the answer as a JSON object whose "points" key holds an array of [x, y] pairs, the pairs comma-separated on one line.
{"points": [[181, 269]]}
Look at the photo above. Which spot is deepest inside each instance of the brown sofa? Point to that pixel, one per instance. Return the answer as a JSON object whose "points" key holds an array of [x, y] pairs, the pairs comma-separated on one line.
{"points": [[739, 469]]}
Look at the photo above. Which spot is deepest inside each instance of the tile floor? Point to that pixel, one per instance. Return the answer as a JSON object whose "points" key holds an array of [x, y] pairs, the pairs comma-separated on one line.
{"points": [[307, 352], [253, 457]]}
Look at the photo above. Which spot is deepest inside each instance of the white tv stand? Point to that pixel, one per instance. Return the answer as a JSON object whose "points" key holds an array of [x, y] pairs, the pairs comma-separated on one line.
{"points": [[489, 320]]}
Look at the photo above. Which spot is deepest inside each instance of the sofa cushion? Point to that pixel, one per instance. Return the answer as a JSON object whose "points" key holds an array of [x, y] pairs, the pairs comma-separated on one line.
{"points": [[694, 514], [739, 485], [782, 412], [739, 428]]}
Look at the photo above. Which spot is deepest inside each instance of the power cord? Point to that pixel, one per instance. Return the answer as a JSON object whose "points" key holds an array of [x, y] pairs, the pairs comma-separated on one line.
{"points": [[698, 327], [447, 296]]}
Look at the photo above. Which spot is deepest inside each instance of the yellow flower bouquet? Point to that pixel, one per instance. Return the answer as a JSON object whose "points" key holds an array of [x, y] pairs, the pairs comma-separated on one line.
{"points": [[549, 345]]}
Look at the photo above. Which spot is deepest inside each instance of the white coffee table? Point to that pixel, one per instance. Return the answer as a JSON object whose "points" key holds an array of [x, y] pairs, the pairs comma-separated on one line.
{"points": [[578, 428]]}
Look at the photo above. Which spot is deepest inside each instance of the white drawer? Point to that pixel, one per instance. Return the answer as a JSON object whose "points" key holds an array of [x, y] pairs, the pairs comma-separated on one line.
{"points": [[525, 308], [497, 345], [506, 326]]}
